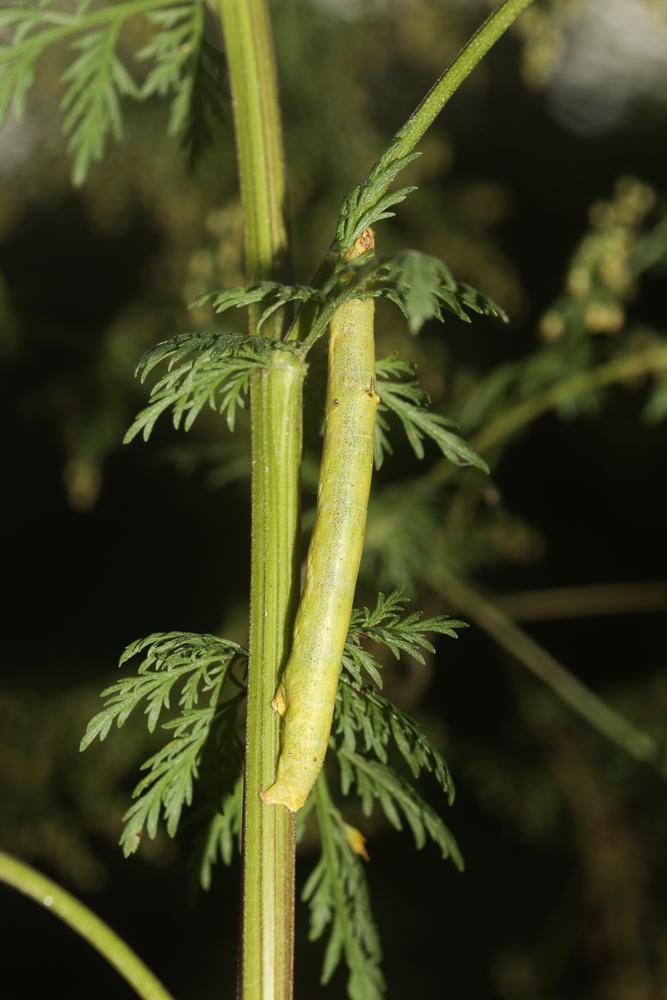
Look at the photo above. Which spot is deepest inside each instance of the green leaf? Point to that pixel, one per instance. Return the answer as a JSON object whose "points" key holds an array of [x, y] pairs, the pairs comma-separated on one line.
{"points": [[169, 659], [338, 897], [374, 781], [94, 83], [217, 375], [272, 294], [366, 721], [96, 78], [221, 835], [409, 402], [195, 667], [368, 203], [387, 625]]}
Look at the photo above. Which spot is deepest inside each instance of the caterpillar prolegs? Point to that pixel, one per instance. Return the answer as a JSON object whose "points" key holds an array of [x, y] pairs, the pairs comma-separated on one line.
{"points": [[307, 693]]}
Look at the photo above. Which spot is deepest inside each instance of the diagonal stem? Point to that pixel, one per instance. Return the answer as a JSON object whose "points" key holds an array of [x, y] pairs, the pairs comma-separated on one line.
{"points": [[62, 904], [580, 698]]}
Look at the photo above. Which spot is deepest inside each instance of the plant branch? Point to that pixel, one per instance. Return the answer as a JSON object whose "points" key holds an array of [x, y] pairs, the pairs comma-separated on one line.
{"points": [[581, 699], [266, 966], [446, 86], [368, 203], [53, 897], [628, 367], [584, 602]]}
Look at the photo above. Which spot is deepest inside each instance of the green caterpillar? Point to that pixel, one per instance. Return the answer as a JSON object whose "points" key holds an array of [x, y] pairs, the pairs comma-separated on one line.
{"points": [[307, 693]]}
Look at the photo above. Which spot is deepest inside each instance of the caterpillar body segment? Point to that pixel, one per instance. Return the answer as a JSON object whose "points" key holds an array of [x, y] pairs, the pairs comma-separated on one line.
{"points": [[307, 693]]}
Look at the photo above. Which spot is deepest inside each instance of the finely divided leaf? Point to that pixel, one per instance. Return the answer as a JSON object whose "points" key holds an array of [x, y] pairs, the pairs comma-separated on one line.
{"points": [[272, 294], [409, 402], [193, 669], [387, 625], [217, 374], [399, 800], [337, 895]]}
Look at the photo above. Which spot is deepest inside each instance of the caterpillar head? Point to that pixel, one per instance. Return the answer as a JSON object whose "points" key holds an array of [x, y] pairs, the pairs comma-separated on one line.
{"points": [[364, 243]]}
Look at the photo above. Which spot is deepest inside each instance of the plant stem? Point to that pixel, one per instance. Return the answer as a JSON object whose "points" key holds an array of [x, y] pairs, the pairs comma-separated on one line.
{"points": [[407, 137], [584, 602], [581, 699], [446, 86], [625, 368], [246, 27], [49, 894], [266, 965], [629, 367]]}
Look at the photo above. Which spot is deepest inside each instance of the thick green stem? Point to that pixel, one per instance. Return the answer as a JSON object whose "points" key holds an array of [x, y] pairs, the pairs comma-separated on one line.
{"points": [[246, 27], [276, 398], [268, 837], [82, 920]]}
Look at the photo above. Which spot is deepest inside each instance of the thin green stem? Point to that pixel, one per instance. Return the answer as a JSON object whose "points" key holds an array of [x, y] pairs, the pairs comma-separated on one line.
{"points": [[626, 367], [62, 904], [552, 673], [407, 137], [266, 966], [446, 86]]}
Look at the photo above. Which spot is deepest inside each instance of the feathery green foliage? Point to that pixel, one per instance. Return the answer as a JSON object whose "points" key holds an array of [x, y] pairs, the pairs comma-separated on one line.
{"points": [[368, 203], [176, 41], [409, 402], [221, 835], [420, 285], [367, 721], [272, 294], [97, 77], [218, 375], [195, 666], [190, 670], [373, 781], [386, 625], [363, 717], [423, 287], [337, 895]]}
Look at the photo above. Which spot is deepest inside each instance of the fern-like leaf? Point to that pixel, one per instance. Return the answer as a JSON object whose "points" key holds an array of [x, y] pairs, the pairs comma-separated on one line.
{"points": [[221, 835], [368, 203], [374, 780], [337, 894], [96, 78], [366, 721], [272, 294], [169, 660], [94, 83], [423, 288], [196, 666], [409, 402], [386, 625], [217, 374]]}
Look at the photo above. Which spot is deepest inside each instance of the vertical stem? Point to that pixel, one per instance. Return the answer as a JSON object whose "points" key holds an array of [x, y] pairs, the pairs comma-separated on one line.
{"points": [[276, 399], [268, 832]]}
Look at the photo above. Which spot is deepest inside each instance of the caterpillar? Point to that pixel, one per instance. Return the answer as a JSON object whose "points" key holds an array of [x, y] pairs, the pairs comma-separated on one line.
{"points": [[306, 695]]}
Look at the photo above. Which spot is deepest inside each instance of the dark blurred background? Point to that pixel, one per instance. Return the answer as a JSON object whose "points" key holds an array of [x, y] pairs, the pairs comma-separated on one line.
{"points": [[544, 185]]}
